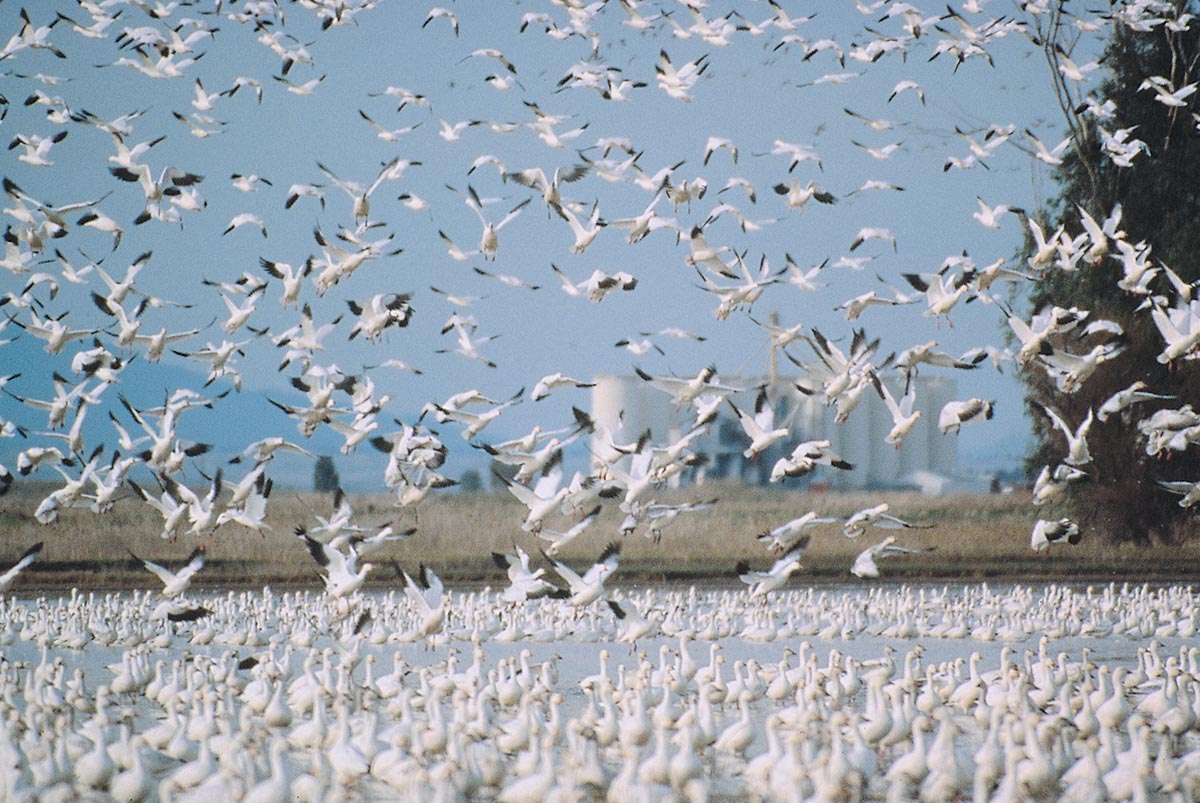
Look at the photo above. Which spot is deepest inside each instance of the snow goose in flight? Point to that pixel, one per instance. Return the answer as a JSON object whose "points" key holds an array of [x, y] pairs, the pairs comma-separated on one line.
{"points": [[740, 296], [442, 13], [634, 624], [343, 575], [489, 240], [172, 510], [1077, 446], [596, 286], [1179, 327], [1165, 91], [717, 143], [584, 233], [291, 277], [428, 596], [875, 516], [364, 542], [360, 196], [904, 417], [531, 462], [659, 515], [307, 88], [379, 313], [535, 178], [37, 148], [544, 123], [589, 587], [856, 306], [1122, 400], [523, 583], [795, 152], [1051, 485], [1047, 532], [452, 132], [556, 380], [942, 291], [251, 511], [907, 85], [1188, 491], [805, 457], [1070, 371], [956, 413], [246, 219], [910, 358], [759, 427], [507, 279], [762, 583], [798, 196], [298, 191], [781, 538], [864, 564], [468, 345], [684, 391], [53, 331], [989, 216], [541, 500], [387, 134], [678, 82], [1051, 156], [475, 422], [559, 539], [646, 222], [27, 557], [175, 583]]}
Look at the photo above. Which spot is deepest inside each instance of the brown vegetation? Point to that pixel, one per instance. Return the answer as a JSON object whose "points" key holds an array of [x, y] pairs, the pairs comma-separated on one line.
{"points": [[978, 537]]}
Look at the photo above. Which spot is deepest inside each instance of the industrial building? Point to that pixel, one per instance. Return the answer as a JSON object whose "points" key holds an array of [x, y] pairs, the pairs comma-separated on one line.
{"points": [[626, 406]]}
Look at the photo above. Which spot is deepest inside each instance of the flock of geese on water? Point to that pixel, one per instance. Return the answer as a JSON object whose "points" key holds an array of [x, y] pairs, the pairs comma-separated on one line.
{"points": [[804, 697]]}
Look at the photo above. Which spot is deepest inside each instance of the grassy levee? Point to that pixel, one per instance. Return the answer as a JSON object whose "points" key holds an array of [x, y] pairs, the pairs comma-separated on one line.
{"points": [[976, 537]]}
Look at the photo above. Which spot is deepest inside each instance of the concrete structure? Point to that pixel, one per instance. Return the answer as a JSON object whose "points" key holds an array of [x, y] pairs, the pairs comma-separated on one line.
{"points": [[628, 406]]}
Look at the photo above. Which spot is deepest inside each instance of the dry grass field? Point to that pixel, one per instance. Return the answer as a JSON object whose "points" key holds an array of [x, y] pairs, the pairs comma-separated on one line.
{"points": [[977, 537]]}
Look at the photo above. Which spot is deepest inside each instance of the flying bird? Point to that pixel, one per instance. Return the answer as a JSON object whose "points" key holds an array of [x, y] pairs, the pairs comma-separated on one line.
{"points": [[175, 583], [864, 564], [27, 557], [762, 583]]}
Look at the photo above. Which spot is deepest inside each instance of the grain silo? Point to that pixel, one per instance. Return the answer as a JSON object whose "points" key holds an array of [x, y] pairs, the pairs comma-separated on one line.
{"points": [[627, 406]]}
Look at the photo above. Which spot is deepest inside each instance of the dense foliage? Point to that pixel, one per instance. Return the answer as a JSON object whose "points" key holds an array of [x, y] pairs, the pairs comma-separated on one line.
{"points": [[1158, 195]]}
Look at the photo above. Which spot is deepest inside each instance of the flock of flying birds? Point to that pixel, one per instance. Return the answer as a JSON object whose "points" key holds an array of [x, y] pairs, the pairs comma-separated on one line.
{"points": [[143, 455]]}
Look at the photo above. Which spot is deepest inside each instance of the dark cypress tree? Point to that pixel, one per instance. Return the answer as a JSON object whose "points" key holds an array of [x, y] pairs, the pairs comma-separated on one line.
{"points": [[1156, 187], [325, 476]]}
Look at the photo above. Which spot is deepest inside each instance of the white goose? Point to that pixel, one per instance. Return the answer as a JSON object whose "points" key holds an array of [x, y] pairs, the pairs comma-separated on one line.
{"points": [[760, 426], [1077, 446], [779, 539], [175, 583], [343, 576], [27, 557], [589, 587], [864, 564], [875, 516], [762, 583], [904, 417], [956, 413]]}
